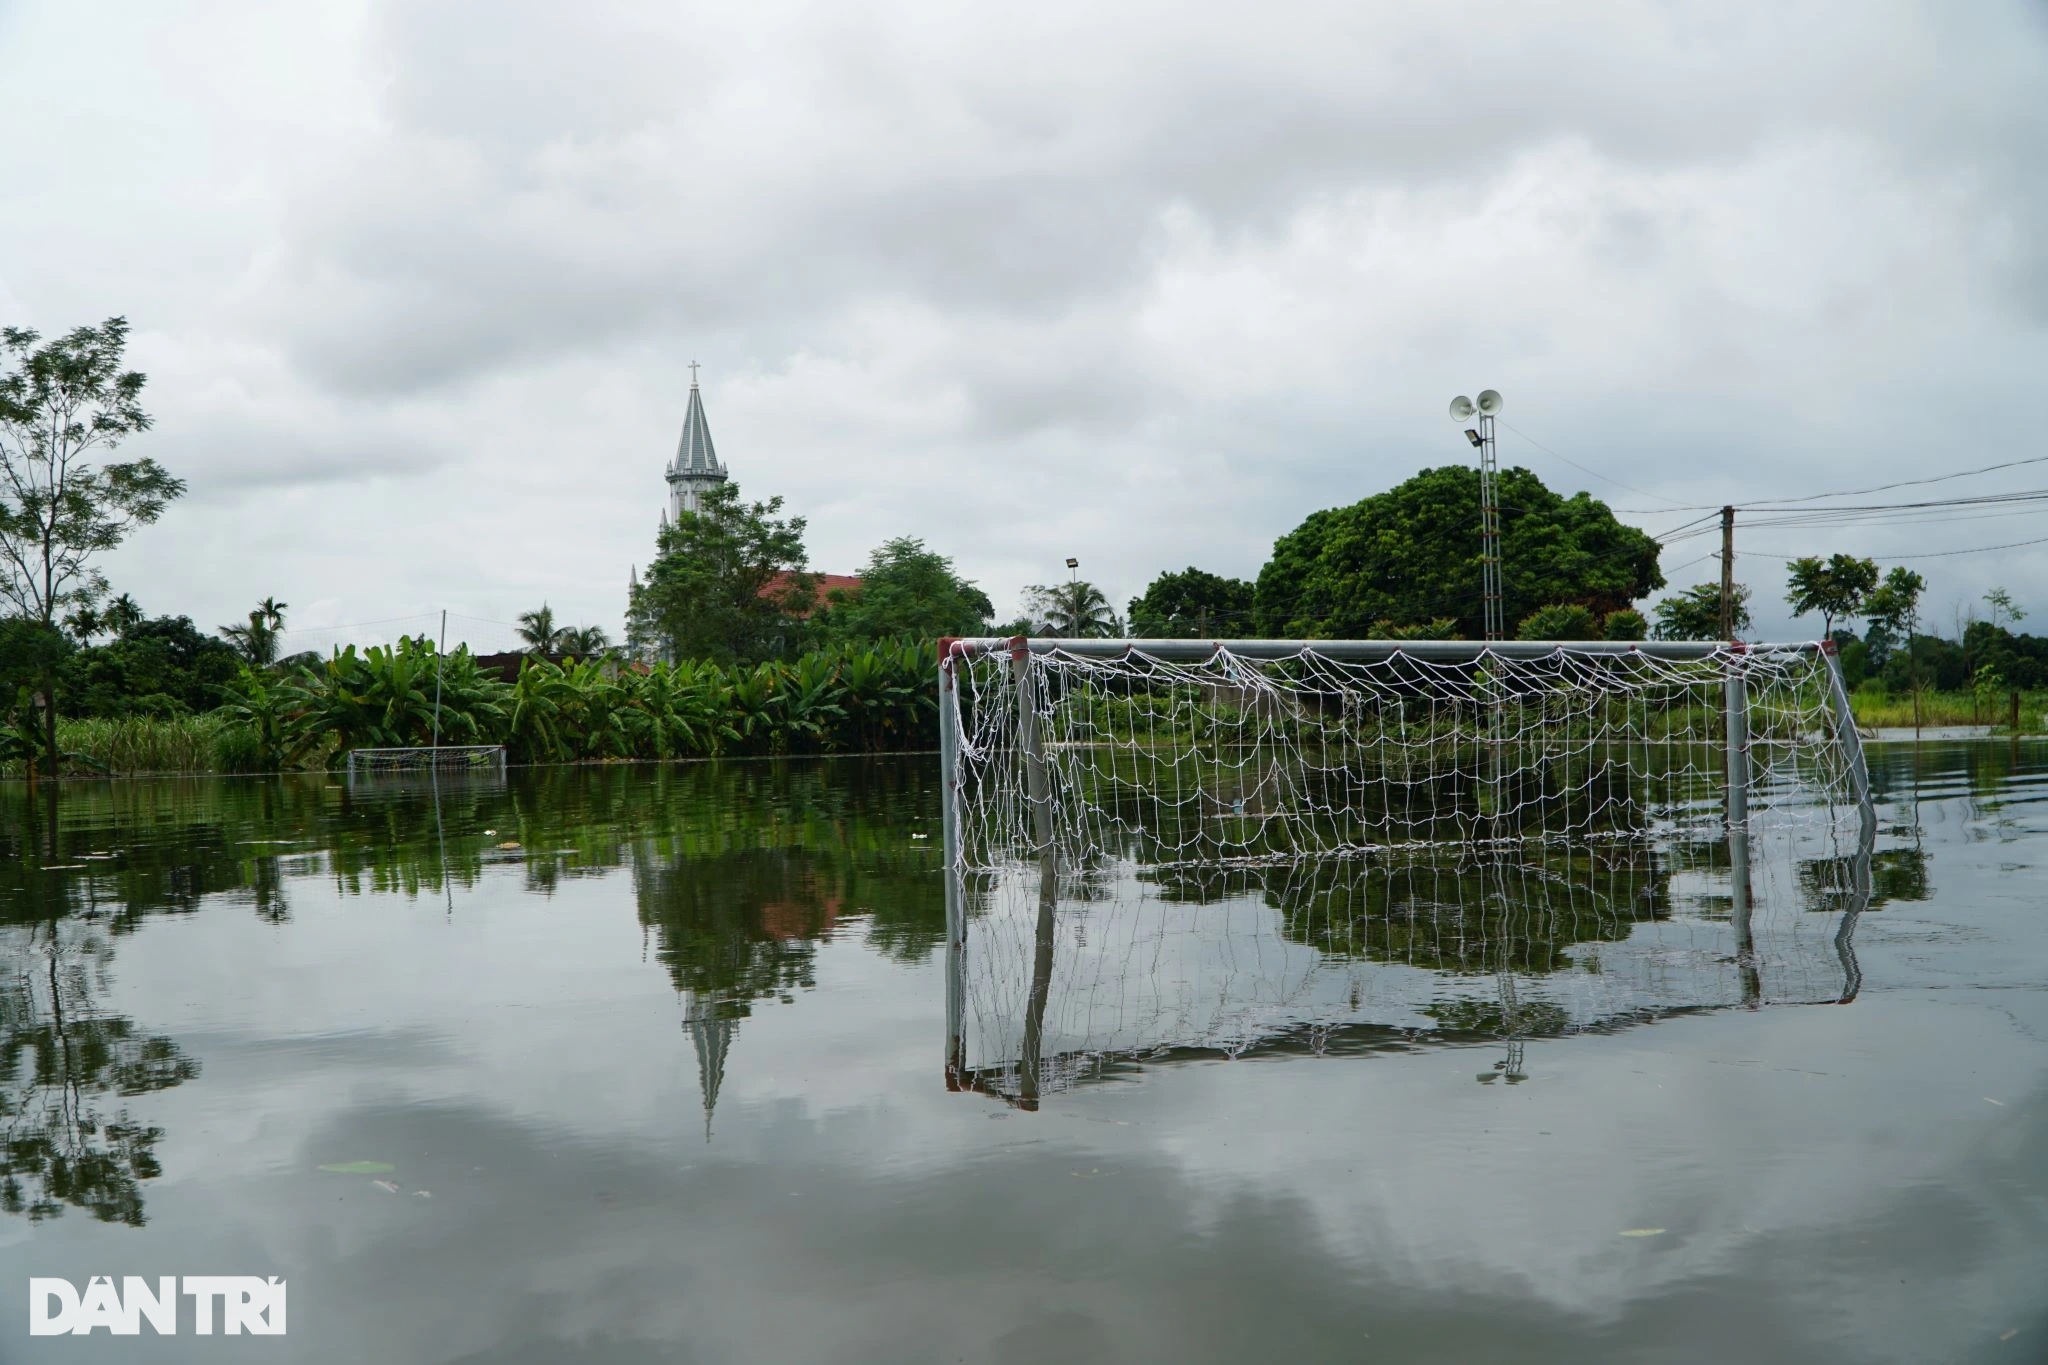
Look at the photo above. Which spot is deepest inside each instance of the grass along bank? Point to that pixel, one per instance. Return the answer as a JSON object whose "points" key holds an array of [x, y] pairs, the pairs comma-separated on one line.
{"points": [[1875, 709]]}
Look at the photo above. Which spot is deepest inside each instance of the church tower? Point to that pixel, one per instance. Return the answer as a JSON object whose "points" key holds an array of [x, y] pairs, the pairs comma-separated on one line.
{"points": [[695, 470]]}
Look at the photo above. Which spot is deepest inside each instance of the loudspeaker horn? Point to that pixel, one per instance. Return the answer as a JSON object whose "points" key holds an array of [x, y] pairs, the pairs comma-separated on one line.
{"points": [[1489, 402], [1462, 409]]}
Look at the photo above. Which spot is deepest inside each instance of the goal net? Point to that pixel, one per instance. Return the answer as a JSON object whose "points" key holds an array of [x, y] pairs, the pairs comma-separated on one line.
{"points": [[475, 760], [1168, 845], [1260, 751]]}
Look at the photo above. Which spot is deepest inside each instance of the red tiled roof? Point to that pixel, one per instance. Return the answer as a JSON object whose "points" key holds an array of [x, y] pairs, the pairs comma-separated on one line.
{"points": [[828, 583]]}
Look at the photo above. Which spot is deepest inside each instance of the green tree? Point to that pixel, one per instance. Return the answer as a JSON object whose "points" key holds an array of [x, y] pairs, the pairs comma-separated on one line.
{"points": [[1192, 605], [1626, 624], [728, 583], [30, 654], [1560, 621], [62, 403], [1893, 610], [1436, 628], [1695, 614], [1413, 553], [905, 590], [162, 666], [2001, 604], [1835, 588], [1072, 610]]}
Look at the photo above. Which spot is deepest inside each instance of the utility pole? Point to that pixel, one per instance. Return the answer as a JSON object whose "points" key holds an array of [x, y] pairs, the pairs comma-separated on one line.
{"points": [[1727, 573]]}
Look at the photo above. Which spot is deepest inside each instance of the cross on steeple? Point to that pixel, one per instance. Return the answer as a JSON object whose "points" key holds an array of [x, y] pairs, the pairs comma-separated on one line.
{"points": [[693, 374]]}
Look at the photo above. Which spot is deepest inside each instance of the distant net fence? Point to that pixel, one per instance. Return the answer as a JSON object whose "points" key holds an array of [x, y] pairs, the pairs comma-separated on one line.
{"points": [[447, 760], [1163, 846]]}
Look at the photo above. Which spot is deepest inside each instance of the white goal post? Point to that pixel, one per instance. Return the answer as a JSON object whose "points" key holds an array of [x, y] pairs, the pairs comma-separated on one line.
{"points": [[1125, 819], [474, 759]]}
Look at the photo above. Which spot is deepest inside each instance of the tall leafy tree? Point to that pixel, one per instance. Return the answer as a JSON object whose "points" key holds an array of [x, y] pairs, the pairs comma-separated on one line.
{"points": [[1835, 588], [1893, 611], [2001, 604], [909, 589], [1193, 604], [161, 666], [584, 641], [1412, 554], [729, 582], [63, 404], [1695, 614], [1075, 609]]}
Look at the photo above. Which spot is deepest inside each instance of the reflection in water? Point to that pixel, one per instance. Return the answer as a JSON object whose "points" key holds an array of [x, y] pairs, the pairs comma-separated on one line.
{"points": [[1071, 973], [67, 1066], [737, 872]]}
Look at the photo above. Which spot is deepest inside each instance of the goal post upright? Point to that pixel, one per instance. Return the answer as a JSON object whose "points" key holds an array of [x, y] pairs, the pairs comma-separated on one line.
{"points": [[949, 819], [1037, 784], [1850, 738], [1735, 701]]}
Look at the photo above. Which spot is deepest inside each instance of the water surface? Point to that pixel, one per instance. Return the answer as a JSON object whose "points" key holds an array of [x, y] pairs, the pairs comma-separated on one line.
{"points": [[662, 1066]]}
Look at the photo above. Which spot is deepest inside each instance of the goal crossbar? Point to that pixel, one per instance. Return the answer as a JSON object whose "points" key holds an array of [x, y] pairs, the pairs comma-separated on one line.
{"points": [[1363, 651]]}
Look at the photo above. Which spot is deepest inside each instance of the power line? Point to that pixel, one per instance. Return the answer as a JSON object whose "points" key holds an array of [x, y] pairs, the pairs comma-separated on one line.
{"points": [[354, 625], [1820, 497], [1931, 554], [1626, 488]]}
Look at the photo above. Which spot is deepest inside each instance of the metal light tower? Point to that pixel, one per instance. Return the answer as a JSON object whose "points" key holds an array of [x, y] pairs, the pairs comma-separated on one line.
{"points": [[1463, 410]]}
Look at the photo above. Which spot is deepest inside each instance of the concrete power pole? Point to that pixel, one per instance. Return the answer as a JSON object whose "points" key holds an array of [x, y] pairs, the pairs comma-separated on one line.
{"points": [[1727, 573]]}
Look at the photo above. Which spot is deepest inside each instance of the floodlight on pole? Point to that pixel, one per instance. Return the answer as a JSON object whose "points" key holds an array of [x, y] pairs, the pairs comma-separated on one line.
{"points": [[1486, 409]]}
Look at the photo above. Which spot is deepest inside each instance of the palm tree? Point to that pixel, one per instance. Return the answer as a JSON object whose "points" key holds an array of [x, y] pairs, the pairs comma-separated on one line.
{"points": [[85, 623], [257, 641], [122, 615], [583, 641], [1071, 610], [538, 631]]}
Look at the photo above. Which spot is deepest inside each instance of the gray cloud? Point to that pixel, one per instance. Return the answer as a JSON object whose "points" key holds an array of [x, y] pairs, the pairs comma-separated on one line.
{"points": [[999, 280]]}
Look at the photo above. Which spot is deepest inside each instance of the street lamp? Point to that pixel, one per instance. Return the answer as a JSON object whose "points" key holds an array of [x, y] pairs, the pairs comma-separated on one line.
{"points": [[1487, 408]]}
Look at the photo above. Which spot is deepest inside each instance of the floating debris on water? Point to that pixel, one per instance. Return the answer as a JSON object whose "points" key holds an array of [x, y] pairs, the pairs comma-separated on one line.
{"points": [[508, 846], [389, 1187], [359, 1167]]}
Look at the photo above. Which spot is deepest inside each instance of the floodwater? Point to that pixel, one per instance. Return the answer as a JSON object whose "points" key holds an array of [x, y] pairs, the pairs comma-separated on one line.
{"points": [[631, 1064]]}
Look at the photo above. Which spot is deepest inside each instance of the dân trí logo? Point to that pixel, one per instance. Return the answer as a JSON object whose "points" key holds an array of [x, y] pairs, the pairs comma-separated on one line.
{"points": [[246, 1303]]}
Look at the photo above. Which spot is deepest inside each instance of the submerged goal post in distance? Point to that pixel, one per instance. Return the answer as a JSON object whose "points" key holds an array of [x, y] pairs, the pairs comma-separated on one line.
{"points": [[1257, 751], [478, 759]]}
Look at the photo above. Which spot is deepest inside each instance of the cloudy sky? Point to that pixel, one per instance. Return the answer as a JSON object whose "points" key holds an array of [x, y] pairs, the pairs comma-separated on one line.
{"points": [[416, 284]]}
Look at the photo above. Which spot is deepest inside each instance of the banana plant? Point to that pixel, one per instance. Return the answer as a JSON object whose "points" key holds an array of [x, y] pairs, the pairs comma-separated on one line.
{"points": [[755, 708], [540, 714], [812, 716]]}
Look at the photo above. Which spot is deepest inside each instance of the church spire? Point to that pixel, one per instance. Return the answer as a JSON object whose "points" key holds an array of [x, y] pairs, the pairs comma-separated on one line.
{"points": [[711, 1033], [695, 468]]}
